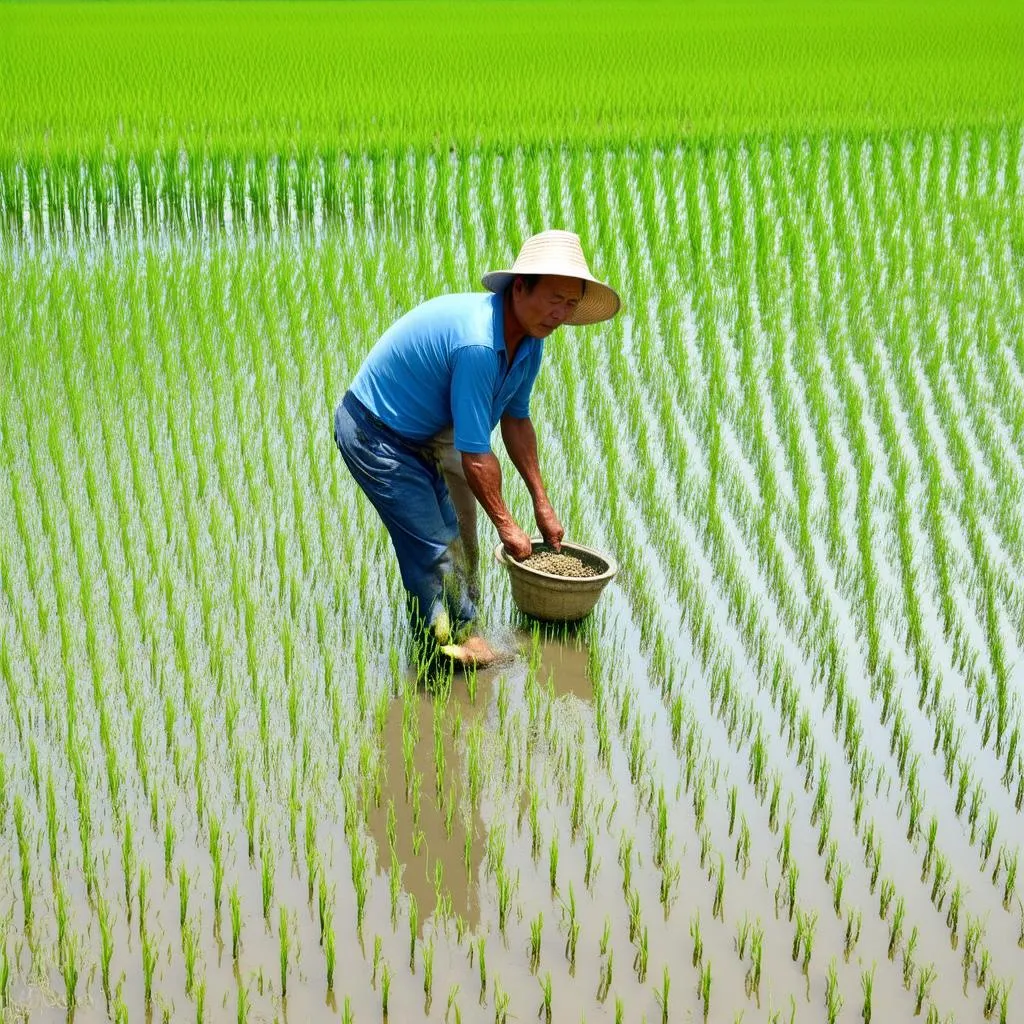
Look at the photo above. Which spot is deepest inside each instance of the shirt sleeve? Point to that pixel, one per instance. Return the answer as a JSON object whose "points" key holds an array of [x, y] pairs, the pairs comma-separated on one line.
{"points": [[519, 404], [472, 395]]}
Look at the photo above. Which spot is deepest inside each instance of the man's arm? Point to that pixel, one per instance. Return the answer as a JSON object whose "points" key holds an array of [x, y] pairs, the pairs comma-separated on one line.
{"points": [[521, 444], [483, 474]]}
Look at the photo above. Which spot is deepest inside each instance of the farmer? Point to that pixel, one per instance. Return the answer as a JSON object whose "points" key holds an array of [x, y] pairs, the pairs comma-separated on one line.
{"points": [[414, 427]]}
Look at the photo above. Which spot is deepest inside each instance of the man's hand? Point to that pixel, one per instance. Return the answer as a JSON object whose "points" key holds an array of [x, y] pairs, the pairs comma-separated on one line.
{"points": [[516, 542], [547, 522]]}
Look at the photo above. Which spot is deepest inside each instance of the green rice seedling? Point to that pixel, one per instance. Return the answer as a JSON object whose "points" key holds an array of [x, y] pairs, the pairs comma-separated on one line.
{"points": [[1010, 885], [474, 762], [953, 914], [190, 950], [588, 856], [481, 947], [106, 946], [120, 1009], [705, 988], [149, 958], [988, 836], [670, 875], [51, 821], [250, 812], [876, 864], [792, 876], [266, 876], [127, 859], [606, 935], [62, 912], [536, 928], [506, 887], [235, 905], [169, 837], [312, 856], [553, 863], [992, 992], [329, 950], [640, 959], [885, 897], [984, 965], [743, 936], [143, 898], [853, 926], [732, 808], [699, 802], [378, 946], [284, 942], [428, 976], [394, 886], [572, 931], [661, 994], [837, 889], [773, 807], [867, 985], [753, 976], [743, 847], [908, 959], [783, 851], [501, 1002], [385, 989], [604, 980], [216, 855], [833, 997], [977, 795], [546, 990], [633, 904], [925, 977], [184, 890], [414, 924], [941, 877], [452, 1005], [698, 942], [242, 1015], [71, 970], [718, 906], [896, 926], [661, 831], [360, 883], [626, 861], [620, 1010]]}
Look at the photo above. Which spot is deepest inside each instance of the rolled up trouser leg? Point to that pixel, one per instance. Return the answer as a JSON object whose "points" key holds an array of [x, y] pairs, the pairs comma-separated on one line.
{"points": [[410, 495], [467, 551]]}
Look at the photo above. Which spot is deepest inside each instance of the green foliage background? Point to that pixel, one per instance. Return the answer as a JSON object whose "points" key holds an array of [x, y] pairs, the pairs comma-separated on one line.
{"points": [[260, 77]]}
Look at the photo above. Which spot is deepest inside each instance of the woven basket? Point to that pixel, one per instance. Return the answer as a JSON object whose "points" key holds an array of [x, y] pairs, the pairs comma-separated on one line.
{"points": [[557, 598]]}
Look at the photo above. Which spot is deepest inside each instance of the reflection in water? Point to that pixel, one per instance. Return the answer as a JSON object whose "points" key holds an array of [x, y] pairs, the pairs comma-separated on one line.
{"points": [[438, 848]]}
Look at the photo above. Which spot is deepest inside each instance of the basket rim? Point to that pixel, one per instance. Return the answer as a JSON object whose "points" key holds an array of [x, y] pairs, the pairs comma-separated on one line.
{"points": [[571, 547]]}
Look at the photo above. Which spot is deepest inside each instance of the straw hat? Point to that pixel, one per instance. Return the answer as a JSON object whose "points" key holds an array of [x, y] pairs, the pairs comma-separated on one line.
{"points": [[560, 252]]}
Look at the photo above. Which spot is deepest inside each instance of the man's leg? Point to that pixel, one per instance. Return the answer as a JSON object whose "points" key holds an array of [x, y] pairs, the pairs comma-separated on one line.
{"points": [[466, 550], [411, 499]]}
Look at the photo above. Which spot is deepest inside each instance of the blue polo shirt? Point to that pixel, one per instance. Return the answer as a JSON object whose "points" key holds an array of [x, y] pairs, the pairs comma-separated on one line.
{"points": [[444, 363]]}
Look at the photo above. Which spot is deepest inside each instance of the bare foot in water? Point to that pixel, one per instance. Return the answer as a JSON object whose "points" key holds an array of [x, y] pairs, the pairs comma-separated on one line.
{"points": [[473, 651]]}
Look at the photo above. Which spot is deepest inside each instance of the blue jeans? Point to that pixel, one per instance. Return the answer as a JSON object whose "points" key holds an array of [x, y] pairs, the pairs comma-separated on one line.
{"points": [[406, 486]]}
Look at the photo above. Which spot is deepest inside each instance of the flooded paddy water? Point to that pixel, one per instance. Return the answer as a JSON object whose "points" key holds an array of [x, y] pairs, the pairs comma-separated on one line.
{"points": [[776, 775]]}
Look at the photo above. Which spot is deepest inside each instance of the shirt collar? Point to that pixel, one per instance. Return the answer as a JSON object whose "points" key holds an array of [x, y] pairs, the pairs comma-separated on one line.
{"points": [[498, 334]]}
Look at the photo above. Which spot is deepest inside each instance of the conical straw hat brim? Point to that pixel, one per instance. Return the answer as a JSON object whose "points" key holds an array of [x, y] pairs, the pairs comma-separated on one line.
{"points": [[559, 253]]}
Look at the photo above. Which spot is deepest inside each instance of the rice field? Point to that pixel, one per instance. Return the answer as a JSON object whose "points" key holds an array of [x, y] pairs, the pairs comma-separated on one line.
{"points": [[777, 776]]}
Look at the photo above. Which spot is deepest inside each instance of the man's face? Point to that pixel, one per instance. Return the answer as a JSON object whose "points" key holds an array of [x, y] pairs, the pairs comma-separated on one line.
{"points": [[552, 301]]}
